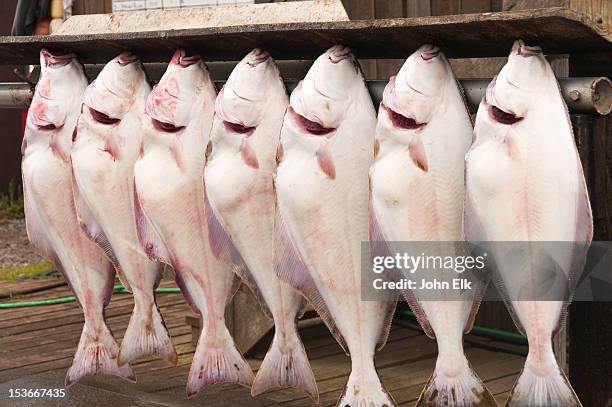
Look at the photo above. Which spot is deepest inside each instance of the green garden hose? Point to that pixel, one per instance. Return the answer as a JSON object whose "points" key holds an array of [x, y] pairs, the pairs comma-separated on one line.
{"points": [[118, 289], [490, 332]]}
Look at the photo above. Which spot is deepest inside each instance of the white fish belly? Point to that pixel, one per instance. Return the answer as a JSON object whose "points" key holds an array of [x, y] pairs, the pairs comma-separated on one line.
{"points": [[413, 205], [523, 200], [244, 200], [173, 200], [106, 185], [328, 220], [48, 189]]}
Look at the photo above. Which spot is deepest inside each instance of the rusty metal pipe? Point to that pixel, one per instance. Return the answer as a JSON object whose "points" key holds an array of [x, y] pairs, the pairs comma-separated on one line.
{"points": [[582, 95], [15, 94]]}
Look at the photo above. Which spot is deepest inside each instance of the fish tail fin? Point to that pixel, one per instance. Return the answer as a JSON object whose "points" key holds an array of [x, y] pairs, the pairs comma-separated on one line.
{"points": [[146, 335], [286, 365], [97, 354], [449, 386], [217, 360], [535, 389], [364, 388]]}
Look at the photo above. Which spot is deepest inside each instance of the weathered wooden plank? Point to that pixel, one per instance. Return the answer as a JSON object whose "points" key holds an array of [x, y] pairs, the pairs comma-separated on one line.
{"points": [[557, 30], [476, 6], [388, 9], [418, 8], [445, 7], [74, 318]]}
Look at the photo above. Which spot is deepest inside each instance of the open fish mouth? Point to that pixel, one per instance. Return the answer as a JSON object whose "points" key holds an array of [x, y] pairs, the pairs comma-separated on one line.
{"points": [[127, 58], [56, 61], [526, 50], [339, 53], [238, 128], [45, 124], [166, 127], [102, 118], [431, 53], [256, 57], [183, 60], [309, 126], [48, 127], [503, 117], [402, 122]]}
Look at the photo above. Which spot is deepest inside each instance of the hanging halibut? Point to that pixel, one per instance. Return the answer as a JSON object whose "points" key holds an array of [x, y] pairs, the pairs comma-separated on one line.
{"points": [[171, 216], [525, 184], [51, 218], [417, 186], [327, 144], [238, 177], [103, 157]]}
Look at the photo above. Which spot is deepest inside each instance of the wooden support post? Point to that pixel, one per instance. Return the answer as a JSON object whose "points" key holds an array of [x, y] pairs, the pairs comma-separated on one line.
{"points": [[590, 333], [362, 10], [560, 65], [590, 350], [388, 9]]}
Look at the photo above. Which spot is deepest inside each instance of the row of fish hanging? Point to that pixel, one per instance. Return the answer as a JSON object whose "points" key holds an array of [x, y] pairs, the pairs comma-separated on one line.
{"points": [[250, 185]]}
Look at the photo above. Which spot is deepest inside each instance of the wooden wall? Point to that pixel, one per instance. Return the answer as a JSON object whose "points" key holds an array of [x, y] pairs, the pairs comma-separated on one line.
{"points": [[382, 69], [92, 6]]}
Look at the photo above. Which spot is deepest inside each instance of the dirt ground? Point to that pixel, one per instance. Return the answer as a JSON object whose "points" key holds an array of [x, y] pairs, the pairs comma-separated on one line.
{"points": [[15, 249]]}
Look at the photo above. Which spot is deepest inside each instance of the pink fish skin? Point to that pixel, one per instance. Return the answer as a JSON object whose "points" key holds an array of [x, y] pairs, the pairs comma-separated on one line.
{"points": [[51, 218], [417, 193], [103, 156], [246, 129], [525, 183], [322, 214], [171, 215]]}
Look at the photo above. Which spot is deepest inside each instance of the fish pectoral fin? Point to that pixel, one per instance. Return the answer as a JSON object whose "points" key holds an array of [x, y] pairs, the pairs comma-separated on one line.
{"points": [[511, 147], [223, 248], [148, 237], [93, 230], [248, 154], [60, 146], [290, 269], [111, 146], [326, 161], [418, 155]]}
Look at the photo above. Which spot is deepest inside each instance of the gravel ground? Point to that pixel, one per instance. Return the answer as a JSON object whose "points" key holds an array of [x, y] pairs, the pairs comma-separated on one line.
{"points": [[15, 249]]}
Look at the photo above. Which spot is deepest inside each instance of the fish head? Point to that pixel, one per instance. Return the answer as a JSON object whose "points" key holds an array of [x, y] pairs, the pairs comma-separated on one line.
{"points": [[57, 87], [250, 88], [118, 86], [319, 104], [509, 96], [412, 97], [174, 100]]}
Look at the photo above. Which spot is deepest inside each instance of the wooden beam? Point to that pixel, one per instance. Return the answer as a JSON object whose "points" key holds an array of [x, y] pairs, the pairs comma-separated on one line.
{"points": [[388, 9], [363, 10], [557, 30]]}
